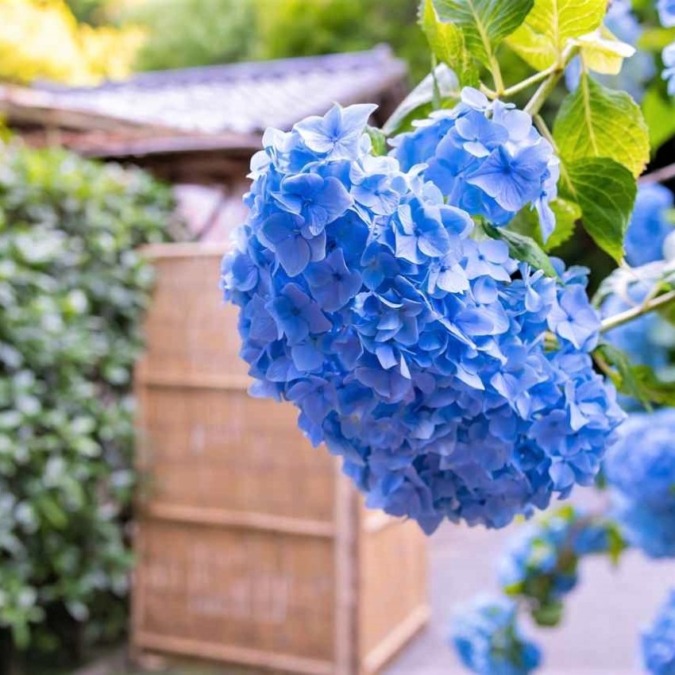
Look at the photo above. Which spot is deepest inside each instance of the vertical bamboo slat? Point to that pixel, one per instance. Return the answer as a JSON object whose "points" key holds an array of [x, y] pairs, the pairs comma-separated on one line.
{"points": [[252, 548]]}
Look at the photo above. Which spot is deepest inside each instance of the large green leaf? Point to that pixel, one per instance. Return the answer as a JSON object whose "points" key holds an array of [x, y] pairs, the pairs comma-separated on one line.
{"points": [[484, 23], [605, 191], [447, 43], [551, 24], [595, 121]]}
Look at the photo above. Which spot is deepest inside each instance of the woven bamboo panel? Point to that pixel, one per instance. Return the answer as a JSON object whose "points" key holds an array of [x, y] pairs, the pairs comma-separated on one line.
{"points": [[221, 449], [251, 547]]}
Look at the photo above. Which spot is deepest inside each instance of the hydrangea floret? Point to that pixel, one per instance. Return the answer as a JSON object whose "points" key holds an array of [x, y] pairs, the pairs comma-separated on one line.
{"points": [[540, 563], [412, 346], [669, 70], [643, 482], [649, 225], [488, 640], [486, 158], [658, 642]]}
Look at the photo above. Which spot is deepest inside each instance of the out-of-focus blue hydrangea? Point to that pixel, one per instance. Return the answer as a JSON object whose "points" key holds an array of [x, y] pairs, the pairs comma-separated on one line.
{"points": [[488, 640], [669, 71], [649, 225], [540, 561], [637, 70], [640, 469], [415, 352], [486, 158], [636, 338], [658, 643], [666, 12]]}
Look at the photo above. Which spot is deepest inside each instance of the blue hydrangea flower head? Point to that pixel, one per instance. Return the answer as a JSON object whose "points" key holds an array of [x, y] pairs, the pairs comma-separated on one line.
{"points": [[540, 562], [413, 351], [487, 639], [646, 340], [649, 225], [669, 70], [666, 10], [640, 469], [658, 642], [486, 157]]}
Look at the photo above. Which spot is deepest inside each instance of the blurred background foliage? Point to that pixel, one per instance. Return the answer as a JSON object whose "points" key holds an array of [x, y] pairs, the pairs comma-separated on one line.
{"points": [[42, 39], [73, 291]]}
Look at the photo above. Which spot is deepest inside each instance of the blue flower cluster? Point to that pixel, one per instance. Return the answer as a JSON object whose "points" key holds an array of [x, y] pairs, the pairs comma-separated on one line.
{"points": [[666, 10], [540, 562], [637, 338], [640, 469], [487, 639], [649, 225], [414, 351], [667, 15], [669, 70], [658, 643], [486, 158]]}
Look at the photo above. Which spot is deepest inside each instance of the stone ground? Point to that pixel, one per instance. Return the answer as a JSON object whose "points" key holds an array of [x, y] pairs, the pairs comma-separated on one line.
{"points": [[603, 616]]}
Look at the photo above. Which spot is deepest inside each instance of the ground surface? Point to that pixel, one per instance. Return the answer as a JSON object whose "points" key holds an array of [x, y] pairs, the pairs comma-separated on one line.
{"points": [[599, 635]]}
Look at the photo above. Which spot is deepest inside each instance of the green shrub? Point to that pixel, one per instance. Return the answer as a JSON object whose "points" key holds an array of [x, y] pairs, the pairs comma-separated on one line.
{"points": [[184, 33], [308, 27], [73, 290]]}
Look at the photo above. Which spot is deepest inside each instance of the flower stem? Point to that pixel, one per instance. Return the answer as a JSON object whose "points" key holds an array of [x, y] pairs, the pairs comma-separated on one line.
{"points": [[528, 82], [496, 71], [549, 84], [636, 312]]}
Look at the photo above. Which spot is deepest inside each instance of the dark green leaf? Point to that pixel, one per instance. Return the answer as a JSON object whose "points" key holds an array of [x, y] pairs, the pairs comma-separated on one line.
{"points": [[484, 23], [523, 248], [447, 43], [605, 191], [548, 615]]}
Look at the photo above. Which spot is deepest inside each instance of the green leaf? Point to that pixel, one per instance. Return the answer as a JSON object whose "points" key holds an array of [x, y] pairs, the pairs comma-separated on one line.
{"points": [[595, 121], [446, 41], [638, 381], [617, 544], [566, 214], [378, 140], [484, 23], [522, 248], [548, 615], [550, 25], [659, 111], [605, 191], [419, 102]]}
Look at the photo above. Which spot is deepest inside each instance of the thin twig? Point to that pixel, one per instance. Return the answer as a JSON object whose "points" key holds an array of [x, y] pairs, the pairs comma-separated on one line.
{"points": [[636, 312], [659, 175], [549, 84]]}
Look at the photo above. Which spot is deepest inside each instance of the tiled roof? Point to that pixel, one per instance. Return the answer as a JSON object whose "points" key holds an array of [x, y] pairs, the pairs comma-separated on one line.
{"points": [[239, 98]]}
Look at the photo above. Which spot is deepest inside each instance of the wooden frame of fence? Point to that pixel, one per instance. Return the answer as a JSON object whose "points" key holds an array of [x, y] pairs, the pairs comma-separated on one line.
{"points": [[252, 547]]}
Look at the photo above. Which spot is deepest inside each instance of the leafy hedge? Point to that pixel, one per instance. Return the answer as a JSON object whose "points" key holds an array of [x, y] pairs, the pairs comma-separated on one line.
{"points": [[73, 290]]}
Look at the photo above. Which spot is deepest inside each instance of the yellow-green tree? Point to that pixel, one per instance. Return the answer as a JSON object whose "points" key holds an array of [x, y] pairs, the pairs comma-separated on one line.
{"points": [[41, 39]]}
